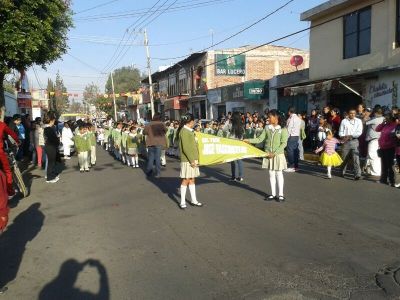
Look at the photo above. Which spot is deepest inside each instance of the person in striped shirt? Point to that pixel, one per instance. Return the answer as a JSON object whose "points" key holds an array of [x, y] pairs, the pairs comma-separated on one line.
{"points": [[330, 158]]}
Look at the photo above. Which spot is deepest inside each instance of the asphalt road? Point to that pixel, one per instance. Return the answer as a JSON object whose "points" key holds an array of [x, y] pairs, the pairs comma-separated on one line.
{"points": [[113, 234]]}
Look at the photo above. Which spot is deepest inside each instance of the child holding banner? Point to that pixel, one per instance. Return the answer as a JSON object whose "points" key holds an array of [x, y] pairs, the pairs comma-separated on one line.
{"points": [[275, 136], [189, 159]]}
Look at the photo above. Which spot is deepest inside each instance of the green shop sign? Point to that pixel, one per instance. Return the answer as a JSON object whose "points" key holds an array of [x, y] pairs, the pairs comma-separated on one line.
{"points": [[256, 90], [228, 65]]}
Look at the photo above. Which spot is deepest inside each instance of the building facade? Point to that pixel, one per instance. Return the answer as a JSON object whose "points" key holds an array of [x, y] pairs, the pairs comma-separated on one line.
{"points": [[354, 55], [196, 84]]}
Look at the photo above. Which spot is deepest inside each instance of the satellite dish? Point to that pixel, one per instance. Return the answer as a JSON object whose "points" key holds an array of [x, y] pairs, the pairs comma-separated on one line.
{"points": [[296, 60]]}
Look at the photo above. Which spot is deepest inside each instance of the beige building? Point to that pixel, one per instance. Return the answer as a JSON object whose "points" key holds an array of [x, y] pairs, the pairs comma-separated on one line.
{"points": [[356, 44], [352, 36]]}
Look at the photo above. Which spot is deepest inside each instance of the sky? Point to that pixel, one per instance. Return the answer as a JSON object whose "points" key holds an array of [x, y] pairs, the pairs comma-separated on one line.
{"points": [[108, 34]]}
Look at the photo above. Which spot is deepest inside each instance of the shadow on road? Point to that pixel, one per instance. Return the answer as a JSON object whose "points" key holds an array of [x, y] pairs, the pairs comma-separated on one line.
{"points": [[13, 241], [62, 287]]}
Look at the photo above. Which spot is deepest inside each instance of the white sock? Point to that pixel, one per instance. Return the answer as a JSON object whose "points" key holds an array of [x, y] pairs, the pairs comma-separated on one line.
{"points": [[137, 160], [329, 170], [192, 189], [281, 181], [272, 181], [183, 194]]}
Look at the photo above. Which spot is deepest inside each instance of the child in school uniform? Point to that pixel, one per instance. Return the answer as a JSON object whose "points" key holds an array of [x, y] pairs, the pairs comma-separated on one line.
{"points": [[330, 158], [170, 133], [92, 142], [117, 140], [124, 150], [274, 137], [100, 136], [189, 160], [176, 140], [106, 137], [82, 146], [132, 144]]}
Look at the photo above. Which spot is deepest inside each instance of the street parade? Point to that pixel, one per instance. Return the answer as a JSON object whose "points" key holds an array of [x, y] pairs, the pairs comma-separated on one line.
{"points": [[260, 160]]}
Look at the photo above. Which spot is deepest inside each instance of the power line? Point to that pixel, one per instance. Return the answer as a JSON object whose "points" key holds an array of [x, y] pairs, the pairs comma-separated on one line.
{"points": [[112, 60], [37, 78], [149, 16], [235, 34], [84, 63], [281, 38], [94, 7], [122, 15]]}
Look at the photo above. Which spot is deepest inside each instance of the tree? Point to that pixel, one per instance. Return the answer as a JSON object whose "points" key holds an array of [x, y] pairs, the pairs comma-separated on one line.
{"points": [[126, 79], [32, 32], [91, 93], [75, 107], [58, 101]]}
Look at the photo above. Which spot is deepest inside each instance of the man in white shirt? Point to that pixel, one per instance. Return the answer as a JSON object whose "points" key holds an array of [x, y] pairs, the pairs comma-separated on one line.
{"points": [[350, 130], [293, 126]]}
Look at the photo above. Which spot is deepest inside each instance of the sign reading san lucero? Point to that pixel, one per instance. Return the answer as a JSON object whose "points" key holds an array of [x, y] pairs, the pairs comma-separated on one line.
{"points": [[228, 65]]}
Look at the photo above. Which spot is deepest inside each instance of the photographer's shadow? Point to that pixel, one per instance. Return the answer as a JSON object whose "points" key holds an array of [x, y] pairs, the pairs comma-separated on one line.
{"points": [[62, 287]]}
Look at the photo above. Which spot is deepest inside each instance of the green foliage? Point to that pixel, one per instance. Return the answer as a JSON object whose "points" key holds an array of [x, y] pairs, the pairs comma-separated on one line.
{"points": [[58, 102], [126, 79], [91, 93], [32, 32]]}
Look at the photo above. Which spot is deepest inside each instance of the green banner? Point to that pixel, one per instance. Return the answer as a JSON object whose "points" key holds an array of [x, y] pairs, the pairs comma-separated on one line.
{"points": [[216, 150], [228, 65]]}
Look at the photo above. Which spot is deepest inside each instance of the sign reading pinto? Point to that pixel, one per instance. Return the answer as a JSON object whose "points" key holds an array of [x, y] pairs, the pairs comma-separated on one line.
{"points": [[228, 65], [216, 150]]}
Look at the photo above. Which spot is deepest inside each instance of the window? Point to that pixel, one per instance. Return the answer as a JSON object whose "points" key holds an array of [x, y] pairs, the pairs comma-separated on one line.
{"points": [[357, 33], [398, 23]]}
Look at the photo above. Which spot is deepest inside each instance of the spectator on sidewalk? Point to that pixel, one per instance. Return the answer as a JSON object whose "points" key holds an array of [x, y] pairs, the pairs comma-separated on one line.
{"points": [[312, 126], [387, 148], [335, 121], [350, 130], [373, 163], [236, 132], [66, 139], [396, 169], [293, 127], [155, 133], [51, 146]]}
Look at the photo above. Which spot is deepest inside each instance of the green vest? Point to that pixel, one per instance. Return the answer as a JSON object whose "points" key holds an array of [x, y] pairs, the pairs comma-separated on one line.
{"points": [[82, 143]]}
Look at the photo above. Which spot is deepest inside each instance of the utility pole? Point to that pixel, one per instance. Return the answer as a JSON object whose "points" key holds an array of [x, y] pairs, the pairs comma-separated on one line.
{"points": [[115, 106], [146, 43]]}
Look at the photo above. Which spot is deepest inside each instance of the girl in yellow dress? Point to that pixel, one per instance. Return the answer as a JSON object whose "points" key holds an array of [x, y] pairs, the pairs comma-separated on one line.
{"points": [[330, 158]]}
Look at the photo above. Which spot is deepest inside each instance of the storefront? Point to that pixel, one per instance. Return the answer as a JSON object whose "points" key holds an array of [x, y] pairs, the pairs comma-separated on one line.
{"points": [[216, 108], [383, 90], [197, 106], [175, 107], [249, 96]]}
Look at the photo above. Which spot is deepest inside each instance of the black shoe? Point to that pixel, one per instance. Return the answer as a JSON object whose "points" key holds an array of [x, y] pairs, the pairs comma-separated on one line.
{"points": [[357, 178], [280, 199], [270, 198], [232, 179], [239, 179]]}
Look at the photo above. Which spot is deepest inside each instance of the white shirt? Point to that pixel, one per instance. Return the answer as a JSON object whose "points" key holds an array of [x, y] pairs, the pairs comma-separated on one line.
{"points": [[293, 125], [352, 128]]}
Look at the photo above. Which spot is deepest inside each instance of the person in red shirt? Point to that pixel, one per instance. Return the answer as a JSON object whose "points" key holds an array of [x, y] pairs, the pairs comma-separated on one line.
{"points": [[5, 166], [335, 121]]}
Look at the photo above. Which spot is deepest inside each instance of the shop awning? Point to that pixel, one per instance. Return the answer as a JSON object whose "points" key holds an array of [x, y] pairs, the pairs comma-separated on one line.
{"points": [[311, 88]]}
